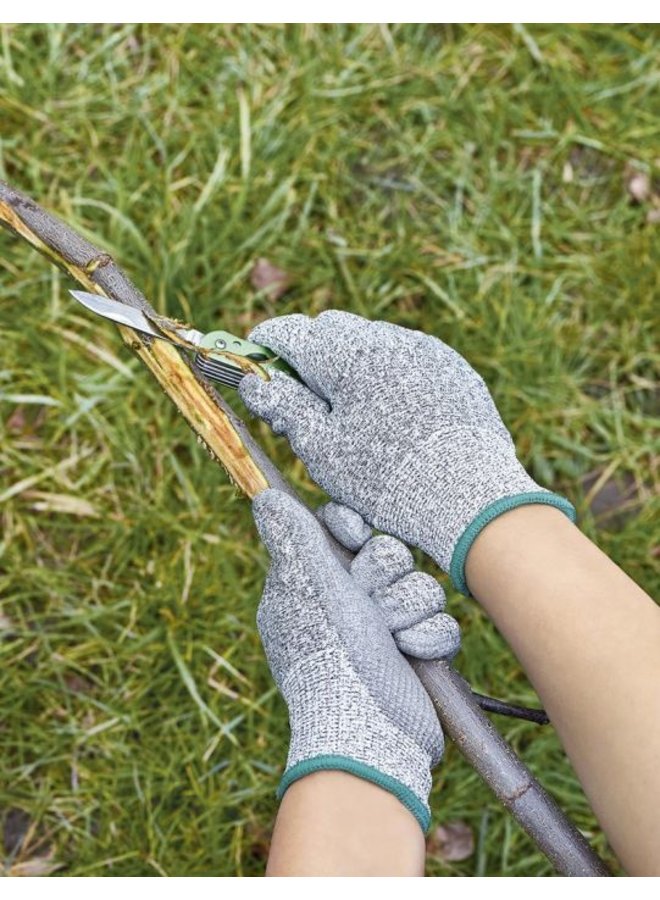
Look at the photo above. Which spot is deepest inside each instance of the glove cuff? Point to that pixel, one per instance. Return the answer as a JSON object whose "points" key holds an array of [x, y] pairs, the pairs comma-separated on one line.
{"points": [[337, 724], [454, 485], [487, 515], [331, 762]]}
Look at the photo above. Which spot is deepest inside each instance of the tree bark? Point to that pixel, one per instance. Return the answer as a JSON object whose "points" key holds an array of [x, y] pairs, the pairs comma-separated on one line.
{"points": [[230, 443]]}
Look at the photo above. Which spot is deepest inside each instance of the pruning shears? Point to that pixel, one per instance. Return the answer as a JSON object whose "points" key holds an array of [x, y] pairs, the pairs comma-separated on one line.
{"points": [[219, 355]]}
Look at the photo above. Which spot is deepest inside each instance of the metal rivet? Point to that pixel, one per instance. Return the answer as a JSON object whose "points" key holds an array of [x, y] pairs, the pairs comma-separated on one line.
{"points": [[220, 344]]}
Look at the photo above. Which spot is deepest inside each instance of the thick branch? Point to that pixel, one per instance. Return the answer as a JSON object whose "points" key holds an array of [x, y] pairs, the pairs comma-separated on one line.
{"points": [[229, 441], [511, 782]]}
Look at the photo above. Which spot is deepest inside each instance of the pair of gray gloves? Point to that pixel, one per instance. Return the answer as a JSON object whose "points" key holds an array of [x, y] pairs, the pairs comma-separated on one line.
{"points": [[401, 432]]}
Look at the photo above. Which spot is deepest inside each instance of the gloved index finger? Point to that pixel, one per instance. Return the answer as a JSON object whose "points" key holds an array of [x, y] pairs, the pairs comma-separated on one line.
{"points": [[287, 336], [286, 527], [320, 350]]}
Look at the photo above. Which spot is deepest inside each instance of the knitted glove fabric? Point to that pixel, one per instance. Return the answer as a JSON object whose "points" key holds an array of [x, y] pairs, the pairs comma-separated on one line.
{"points": [[396, 425], [354, 702]]}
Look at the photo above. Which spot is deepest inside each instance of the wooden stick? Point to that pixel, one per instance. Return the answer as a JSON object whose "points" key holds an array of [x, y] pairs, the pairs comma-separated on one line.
{"points": [[229, 443]]}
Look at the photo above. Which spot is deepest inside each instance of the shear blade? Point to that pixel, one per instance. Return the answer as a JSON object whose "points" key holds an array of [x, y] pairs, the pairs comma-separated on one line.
{"points": [[117, 312], [134, 318]]}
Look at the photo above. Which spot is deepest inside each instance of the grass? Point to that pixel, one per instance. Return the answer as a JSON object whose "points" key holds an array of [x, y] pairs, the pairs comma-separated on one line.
{"points": [[468, 181]]}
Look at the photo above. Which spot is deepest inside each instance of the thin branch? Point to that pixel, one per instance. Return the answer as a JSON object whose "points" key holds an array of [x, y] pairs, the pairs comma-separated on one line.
{"points": [[500, 708], [229, 442]]}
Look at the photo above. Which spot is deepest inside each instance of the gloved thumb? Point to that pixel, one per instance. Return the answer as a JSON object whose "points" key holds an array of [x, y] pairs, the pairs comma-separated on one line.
{"points": [[345, 524], [287, 529]]}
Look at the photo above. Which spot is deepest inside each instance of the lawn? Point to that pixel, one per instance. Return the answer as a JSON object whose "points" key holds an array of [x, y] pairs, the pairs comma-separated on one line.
{"points": [[495, 186]]}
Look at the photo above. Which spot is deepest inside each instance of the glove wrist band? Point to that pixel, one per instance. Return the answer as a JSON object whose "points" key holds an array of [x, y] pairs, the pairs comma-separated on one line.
{"points": [[487, 515], [336, 763], [329, 733]]}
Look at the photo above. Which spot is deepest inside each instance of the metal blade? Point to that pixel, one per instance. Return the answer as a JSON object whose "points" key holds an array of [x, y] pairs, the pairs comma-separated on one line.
{"points": [[127, 315]]}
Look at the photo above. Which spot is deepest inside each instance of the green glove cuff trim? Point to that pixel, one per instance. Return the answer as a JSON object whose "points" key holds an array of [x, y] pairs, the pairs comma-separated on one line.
{"points": [[344, 764], [464, 543]]}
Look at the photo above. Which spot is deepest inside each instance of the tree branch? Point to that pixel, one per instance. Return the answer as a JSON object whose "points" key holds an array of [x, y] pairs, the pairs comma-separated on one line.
{"points": [[229, 442]]}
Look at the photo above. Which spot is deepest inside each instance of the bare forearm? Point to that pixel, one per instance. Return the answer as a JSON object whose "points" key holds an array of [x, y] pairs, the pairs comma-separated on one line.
{"points": [[589, 639], [332, 823]]}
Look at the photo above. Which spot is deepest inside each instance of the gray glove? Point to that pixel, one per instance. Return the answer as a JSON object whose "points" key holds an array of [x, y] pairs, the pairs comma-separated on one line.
{"points": [[354, 702], [396, 425]]}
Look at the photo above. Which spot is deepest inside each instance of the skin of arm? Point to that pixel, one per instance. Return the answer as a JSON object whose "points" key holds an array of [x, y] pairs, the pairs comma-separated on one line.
{"points": [[332, 823], [589, 639]]}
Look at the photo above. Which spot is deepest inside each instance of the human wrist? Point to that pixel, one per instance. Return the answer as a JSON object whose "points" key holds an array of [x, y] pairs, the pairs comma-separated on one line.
{"points": [[500, 551], [503, 506], [417, 807], [332, 823]]}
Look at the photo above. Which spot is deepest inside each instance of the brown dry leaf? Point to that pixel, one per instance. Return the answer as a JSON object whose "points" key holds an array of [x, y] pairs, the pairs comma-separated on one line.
{"points": [[17, 421], [612, 500], [37, 867], [61, 503], [451, 842], [268, 278], [77, 683], [638, 185]]}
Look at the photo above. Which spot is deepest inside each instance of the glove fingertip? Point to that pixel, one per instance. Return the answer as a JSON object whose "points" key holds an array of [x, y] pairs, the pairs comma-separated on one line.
{"points": [[287, 528], [436, 638], [266, 508], [282, 334], [346, 525], [276, 516], [253, 391]]}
